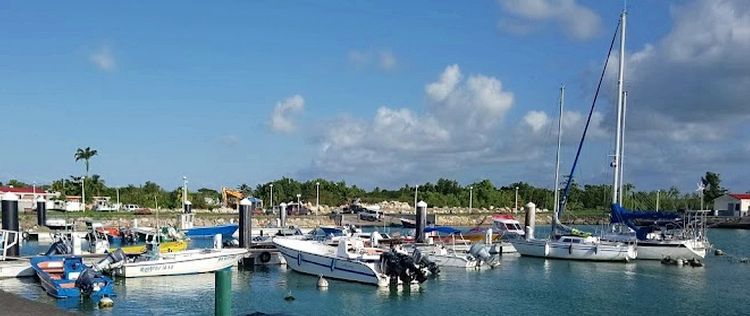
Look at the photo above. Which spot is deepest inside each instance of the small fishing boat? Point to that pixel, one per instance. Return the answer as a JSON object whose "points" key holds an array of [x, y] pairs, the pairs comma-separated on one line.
{"points": [[165, 247], [156, 263], [225, 231], [67, 276], [455, 251]]}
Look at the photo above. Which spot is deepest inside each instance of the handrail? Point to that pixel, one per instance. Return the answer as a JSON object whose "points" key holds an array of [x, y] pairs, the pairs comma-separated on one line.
{"points": [[8, 242]]}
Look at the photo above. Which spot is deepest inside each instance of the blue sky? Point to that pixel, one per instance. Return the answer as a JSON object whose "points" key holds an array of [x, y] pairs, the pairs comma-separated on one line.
{"points": [[378, 93]]}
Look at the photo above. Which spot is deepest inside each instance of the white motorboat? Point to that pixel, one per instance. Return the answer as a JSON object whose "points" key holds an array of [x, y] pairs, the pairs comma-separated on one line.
{"points": [[181, 262], [506, 225], [350, 260], [456, 251]]}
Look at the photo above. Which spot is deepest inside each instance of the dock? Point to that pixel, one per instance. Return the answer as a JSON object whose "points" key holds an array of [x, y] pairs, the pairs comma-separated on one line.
{"points": [[15, 305]]}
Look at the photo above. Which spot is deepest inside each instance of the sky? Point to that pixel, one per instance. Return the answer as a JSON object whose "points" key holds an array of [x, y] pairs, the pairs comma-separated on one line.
{"points": [[376, 93]]}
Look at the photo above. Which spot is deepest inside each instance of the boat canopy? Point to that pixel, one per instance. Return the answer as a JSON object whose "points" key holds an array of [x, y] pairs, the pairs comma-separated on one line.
{"points": [[442, 229], [619, 214]]}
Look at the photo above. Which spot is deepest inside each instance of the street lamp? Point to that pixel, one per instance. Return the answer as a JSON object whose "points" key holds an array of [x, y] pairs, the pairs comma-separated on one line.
{"points": [[317, 201], [515, 209], [184, 190], [271, 199], [299, 206], [471, 197], [117, 189], [416, 191]]}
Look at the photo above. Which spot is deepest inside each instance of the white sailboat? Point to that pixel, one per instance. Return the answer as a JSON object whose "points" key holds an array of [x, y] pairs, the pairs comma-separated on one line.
{"points": [[570, 244], [684, 240]]}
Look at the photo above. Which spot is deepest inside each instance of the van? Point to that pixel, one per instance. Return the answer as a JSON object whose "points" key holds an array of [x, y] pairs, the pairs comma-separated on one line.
{"points": [[370, 215]]}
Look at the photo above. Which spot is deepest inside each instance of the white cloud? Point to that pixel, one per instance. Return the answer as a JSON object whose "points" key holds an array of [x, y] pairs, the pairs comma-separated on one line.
{"points": [[282, 118], [382, 59], [524, 16], [103, 59]]}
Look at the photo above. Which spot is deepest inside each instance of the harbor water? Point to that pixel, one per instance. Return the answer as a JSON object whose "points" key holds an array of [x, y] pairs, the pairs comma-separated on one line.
{"points": [[520, 285]]}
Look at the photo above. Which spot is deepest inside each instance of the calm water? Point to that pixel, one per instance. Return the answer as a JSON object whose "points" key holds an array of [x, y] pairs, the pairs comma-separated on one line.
{"points": [[518, 286]]}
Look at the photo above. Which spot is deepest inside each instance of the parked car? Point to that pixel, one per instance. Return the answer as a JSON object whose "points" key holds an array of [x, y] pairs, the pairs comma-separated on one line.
{"points": [[294, 209], [370, 215], [131, 207]]}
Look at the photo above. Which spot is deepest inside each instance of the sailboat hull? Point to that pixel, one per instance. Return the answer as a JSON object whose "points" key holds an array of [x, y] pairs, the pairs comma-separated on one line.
{"points": [[685, 249], [570, 251]]}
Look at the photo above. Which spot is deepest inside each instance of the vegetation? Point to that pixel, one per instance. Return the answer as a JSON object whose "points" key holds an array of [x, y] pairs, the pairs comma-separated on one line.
{"points": [[443, 193]]}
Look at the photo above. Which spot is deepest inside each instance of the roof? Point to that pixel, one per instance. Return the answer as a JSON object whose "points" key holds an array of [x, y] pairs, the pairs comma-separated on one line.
{"points": [[21, 190], [740, 196]]}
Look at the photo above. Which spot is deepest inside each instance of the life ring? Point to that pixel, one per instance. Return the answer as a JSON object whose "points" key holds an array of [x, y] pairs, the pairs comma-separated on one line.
{"points": [[265, 257], [25, 235]]}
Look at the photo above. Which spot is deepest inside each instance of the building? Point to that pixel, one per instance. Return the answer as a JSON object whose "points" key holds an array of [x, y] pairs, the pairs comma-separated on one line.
{"points": [[27, 196], [733, 204]]}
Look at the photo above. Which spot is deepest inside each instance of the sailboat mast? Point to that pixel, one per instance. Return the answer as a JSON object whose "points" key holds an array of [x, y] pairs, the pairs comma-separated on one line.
{"points": [[622, 147], [616, 189], [557, 160]]}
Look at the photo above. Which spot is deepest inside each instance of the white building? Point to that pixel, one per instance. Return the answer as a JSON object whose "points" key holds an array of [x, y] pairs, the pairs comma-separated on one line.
{"points": [[733, 204], [27, 196]]}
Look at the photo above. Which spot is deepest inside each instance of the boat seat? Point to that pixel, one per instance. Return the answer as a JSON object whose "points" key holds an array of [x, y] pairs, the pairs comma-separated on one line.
{"points": [[68, 285], [53, 270]]}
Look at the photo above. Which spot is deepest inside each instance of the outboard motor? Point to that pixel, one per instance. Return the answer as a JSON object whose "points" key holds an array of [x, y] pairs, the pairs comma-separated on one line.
{"points": [[60, 247], [112, 261], [479, 251], [425, 262], [87, 281]]}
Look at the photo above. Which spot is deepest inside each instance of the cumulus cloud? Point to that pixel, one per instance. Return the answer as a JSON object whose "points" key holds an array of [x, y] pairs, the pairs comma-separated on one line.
{"points": [[526, 16], [382, 59], [104, 59], [282, 117]]}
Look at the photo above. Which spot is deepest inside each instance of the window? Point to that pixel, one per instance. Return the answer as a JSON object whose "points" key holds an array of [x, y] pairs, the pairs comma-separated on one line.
{"points": [[737, 207]]}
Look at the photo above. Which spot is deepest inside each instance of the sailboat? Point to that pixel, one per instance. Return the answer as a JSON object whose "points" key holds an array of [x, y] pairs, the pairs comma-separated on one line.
{"points": [[659, 234], [566, 242]]}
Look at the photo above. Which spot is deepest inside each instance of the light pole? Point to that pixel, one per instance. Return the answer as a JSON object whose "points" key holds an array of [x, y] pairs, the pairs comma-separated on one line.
{"points": [[471, 197], [317, 201], [271, 199], [83, 193], [657, 199], [184, 191], [299, 205], [117, 189], [33, 189], [515, 209]]}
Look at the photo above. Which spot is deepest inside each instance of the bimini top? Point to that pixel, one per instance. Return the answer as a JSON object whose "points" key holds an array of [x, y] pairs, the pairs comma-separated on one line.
{"points": [[442, 229]]}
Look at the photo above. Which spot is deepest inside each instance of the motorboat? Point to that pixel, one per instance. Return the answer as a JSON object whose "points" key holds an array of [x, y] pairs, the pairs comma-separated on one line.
{"points": [[68, 277], [351, 260], [157, 263], [506, 225], [12, 267], [454, 250]]}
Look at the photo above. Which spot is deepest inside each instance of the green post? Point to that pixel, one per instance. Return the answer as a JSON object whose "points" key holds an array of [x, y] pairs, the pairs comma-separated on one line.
{"points": [[223, 292]]}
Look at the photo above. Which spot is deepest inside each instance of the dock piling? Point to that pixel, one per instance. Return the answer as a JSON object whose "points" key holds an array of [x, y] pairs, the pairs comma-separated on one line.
{"points": [[282, 214], [419, 236], [223, 292], [530, 220], [187, 207], [10, 219], [41, 212], [246, 223]]}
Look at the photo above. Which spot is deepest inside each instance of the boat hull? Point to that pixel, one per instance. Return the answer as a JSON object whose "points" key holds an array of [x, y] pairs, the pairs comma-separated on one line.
{"points": [[688, 249], [185, 262], [328, 266], [559, 250], [210, 231], [15, 269]]}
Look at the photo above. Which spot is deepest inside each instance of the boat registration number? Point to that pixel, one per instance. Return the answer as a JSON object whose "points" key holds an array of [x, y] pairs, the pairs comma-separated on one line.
{"points": [[157, 268]]}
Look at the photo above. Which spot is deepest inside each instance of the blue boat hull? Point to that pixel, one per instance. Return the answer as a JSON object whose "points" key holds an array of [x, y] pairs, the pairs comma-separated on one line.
{"points": [[209, 231]]}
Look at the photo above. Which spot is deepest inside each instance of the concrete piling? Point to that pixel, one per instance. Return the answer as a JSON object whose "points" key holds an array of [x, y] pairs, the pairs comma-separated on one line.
{"points": [[421, 220], [41, 211], [530, 220], [10, 219], [282, 214], [246, 223], [223, 292]]}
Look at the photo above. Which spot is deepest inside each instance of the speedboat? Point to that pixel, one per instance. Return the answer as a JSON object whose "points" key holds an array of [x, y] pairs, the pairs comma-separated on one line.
{"points": [[67, 276], [454, 250], [350, 260], [156, 263]]}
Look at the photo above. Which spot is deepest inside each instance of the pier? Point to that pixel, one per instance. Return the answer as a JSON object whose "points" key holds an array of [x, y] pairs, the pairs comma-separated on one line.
{"points": [[15, 305]]}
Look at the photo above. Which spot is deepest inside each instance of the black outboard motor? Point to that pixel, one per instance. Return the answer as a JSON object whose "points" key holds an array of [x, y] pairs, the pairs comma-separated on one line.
{"points": [[425, 262], [60, 247], [112, 260], [87, 282]]}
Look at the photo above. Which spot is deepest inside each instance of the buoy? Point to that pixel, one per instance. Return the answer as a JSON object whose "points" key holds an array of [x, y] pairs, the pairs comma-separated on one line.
{"points": [[322, 283], [289, 297], [719, 252], [106, 302]]}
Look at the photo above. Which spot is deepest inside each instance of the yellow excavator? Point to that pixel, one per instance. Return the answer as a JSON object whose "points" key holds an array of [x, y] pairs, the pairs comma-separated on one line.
{"points": [[231, 198]]}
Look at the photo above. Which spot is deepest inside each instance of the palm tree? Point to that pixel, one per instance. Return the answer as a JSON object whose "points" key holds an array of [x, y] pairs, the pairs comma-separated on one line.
{"points": [[85, 155]]}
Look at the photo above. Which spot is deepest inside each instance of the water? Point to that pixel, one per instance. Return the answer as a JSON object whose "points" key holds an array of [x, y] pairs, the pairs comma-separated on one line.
{"points": [[520, 285]]}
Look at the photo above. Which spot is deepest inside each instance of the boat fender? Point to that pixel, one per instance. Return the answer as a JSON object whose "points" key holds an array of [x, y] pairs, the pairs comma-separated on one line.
{"points": [[322, 283], [106, 302], [265, 257]]}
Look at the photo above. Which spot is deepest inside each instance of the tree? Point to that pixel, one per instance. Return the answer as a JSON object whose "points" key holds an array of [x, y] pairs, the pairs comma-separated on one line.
{"points": [[713, 187], [85, 155]]}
